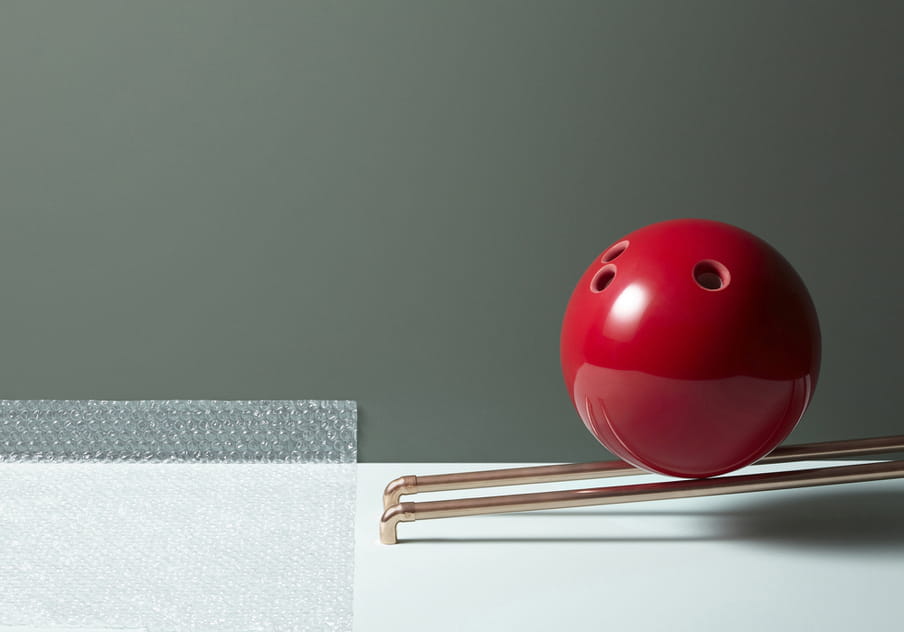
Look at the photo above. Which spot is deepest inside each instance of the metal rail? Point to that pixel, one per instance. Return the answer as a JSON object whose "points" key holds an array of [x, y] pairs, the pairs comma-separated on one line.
{"points": [[396, 512]]}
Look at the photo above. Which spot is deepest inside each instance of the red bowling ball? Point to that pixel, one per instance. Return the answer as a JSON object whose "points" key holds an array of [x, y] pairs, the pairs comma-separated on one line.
{"points": [[690, 348]]}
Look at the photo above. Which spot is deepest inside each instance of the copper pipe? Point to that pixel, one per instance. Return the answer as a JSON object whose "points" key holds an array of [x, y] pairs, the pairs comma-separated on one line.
{"points": [[409, 511], [406, 485]]}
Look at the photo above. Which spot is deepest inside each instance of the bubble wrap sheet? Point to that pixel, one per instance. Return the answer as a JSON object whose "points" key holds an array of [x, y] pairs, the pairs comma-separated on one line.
{"points": [[177, 515]]}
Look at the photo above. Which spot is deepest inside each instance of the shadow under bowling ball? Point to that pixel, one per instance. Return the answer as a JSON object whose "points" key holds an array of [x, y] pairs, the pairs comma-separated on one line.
{"points": [[852, 519]]}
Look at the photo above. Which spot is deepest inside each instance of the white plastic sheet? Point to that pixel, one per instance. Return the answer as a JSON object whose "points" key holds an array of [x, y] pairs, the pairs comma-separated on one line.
{"points": [[98, 541]]}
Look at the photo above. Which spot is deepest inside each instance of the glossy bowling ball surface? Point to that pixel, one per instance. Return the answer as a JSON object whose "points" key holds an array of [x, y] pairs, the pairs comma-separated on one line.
{"points": [[690, 348]]}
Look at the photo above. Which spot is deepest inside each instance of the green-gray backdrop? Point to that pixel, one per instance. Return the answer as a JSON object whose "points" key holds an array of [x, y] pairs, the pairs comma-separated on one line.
{"points": [[391, 201]]}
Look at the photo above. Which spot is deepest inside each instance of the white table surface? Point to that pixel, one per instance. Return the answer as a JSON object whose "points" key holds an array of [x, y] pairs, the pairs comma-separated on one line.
{"points": [[826, 558]]}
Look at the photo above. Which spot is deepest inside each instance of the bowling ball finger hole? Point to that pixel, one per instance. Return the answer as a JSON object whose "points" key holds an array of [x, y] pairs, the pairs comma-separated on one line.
{"points": [[615, 251], [602, 278], [711, 275]]}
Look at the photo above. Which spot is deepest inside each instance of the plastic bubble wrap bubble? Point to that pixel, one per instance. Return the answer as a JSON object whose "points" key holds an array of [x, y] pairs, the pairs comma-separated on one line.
{"points": [[264, 543], [179, 430]]}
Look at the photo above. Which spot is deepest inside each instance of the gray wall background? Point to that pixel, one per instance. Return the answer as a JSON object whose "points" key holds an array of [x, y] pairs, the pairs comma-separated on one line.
{"points": [[391, 201]]}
